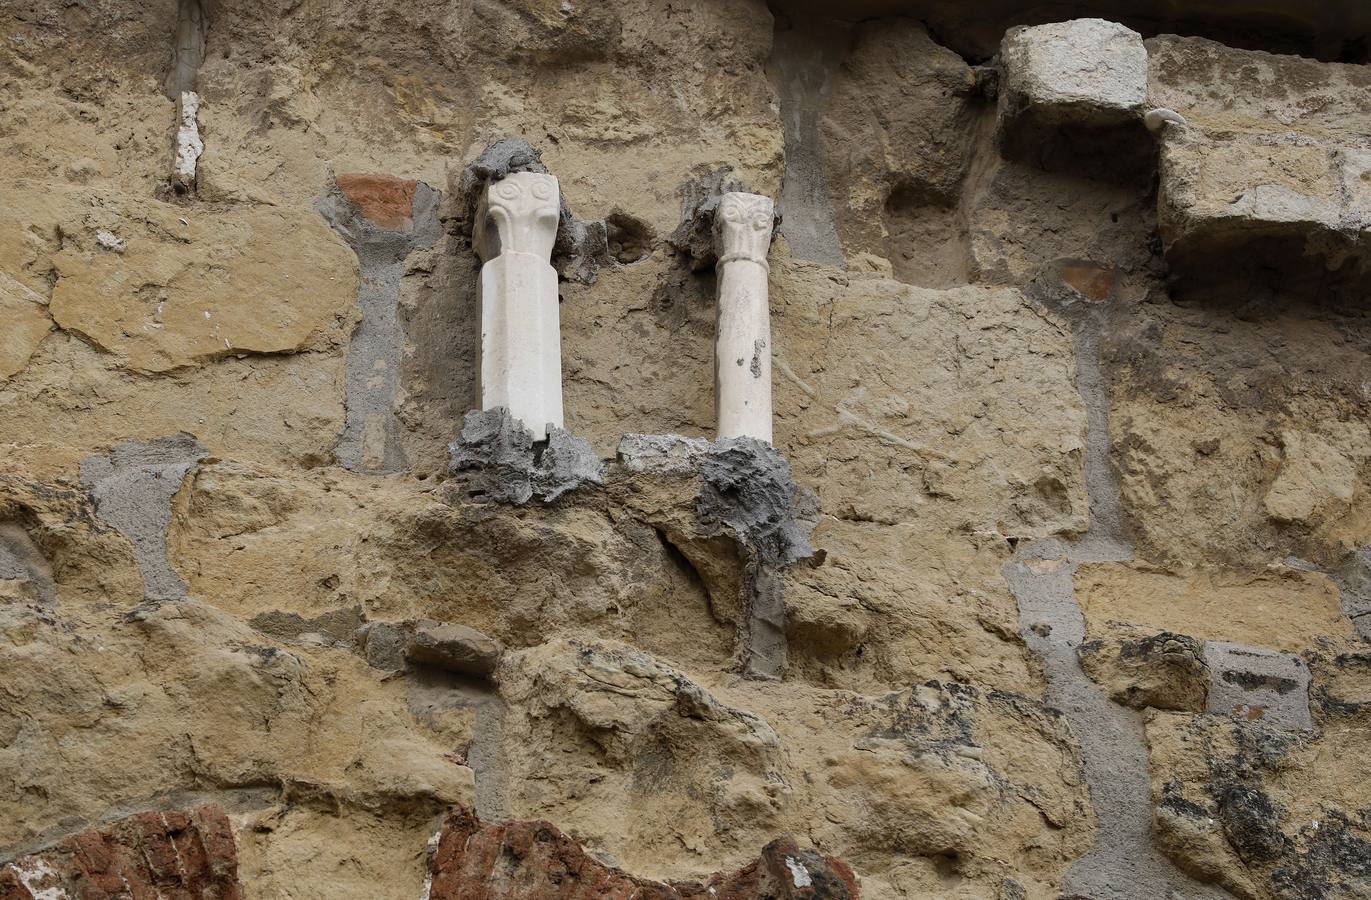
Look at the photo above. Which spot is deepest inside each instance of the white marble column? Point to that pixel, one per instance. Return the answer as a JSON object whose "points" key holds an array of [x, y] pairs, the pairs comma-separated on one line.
{"points": [[742, 343], [521, 352]]}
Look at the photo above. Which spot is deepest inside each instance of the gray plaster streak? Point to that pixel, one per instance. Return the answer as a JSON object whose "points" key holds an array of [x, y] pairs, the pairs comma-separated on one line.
{"points": [[802, 60], [23, 563], [133, 487], [1123, 863], [432, 693], [188, 47], [370, 440], [1258, 684]]}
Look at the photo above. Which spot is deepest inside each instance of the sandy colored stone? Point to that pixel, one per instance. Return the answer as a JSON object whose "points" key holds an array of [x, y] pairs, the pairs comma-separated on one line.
{"points": [[1283, 609], [251, 281], [26, 324]]}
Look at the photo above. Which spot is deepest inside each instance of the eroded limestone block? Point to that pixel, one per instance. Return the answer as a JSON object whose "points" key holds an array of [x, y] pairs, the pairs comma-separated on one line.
{"points": [[453, 646], [1268, 172], [521, 350], [1141, 668], [1081, 72]]}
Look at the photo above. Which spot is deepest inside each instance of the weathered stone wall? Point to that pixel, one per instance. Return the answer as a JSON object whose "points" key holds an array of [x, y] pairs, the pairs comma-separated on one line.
{"points": [[1057, 582]]}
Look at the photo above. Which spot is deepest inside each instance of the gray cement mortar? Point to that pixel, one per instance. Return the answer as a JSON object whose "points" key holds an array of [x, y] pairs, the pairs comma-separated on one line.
{"points": [[1256, 683], [499, 461], [1123, 863], [133, 487], [370, 439]]}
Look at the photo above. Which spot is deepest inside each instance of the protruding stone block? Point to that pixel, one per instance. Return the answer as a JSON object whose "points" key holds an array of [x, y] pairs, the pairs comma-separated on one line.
{"points": [[742, 344], [521, 352], [455, 647], [1082, 72], [1267, 184], [1256, 684]]}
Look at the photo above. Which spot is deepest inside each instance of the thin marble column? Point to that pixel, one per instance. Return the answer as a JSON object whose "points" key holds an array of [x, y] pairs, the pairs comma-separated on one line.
{"points": [[742, 344], [521, 352]]}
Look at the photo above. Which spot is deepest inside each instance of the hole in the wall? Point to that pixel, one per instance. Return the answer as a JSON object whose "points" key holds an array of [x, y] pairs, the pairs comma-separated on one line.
{"points": [[926, 242], [630, 239]]}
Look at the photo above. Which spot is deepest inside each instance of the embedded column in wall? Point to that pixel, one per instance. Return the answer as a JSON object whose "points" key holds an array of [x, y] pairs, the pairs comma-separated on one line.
{"points": [[521, 353], [742, 343]]}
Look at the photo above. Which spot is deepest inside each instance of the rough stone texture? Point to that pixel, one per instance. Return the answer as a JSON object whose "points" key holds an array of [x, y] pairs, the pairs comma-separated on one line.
{"points": [[172, 853], [501, 462], [1085, 71], [1163, 671], [534, 860], [1277, 172], [1029, 426]]}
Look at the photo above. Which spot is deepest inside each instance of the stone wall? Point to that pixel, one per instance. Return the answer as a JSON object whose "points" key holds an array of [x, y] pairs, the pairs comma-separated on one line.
{"points": [[1056, 582]]}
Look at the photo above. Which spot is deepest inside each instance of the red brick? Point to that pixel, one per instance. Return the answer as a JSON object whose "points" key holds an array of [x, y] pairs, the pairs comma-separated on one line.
{"points": [[159, 856], [535, 861], [387, 201]]}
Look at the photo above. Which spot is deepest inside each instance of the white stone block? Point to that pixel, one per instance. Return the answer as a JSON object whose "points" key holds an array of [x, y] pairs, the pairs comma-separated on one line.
{"points": [[1085, 71]]}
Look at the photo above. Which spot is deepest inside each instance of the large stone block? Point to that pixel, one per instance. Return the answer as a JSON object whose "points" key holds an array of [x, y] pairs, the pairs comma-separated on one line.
{"points": [[1270, 172], [1082, 72]]}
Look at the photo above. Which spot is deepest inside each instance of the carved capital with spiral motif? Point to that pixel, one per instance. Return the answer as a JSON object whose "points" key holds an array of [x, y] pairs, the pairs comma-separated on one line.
{"points": [[742, 228], [519, 214]]}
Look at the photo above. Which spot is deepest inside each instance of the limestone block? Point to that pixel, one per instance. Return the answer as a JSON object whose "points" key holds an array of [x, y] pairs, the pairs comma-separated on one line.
{"points": [[742, 342], [196, 287], [521, 351], [1268, 169], [1081, 72], [1222, 192], [1141, 668], [451, 645]]}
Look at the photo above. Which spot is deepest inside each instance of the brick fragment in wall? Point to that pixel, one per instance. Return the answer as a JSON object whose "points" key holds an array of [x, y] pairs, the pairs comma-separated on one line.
{"points": [[157, 853], [523, 860]]}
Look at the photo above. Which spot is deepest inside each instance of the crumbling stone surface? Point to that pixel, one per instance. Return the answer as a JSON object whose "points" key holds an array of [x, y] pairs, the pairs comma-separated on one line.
{"points": [[523, 860], [183, 853], [1082, 72], [1281, 168]]}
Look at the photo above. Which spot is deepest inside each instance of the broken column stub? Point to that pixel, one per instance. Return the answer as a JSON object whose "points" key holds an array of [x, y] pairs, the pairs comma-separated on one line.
{"points": [[521, 353], [742, 343]]}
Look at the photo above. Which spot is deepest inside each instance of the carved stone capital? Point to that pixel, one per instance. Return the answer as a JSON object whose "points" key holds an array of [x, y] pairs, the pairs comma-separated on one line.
{"points": [[742, 228], [519, 214]]}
